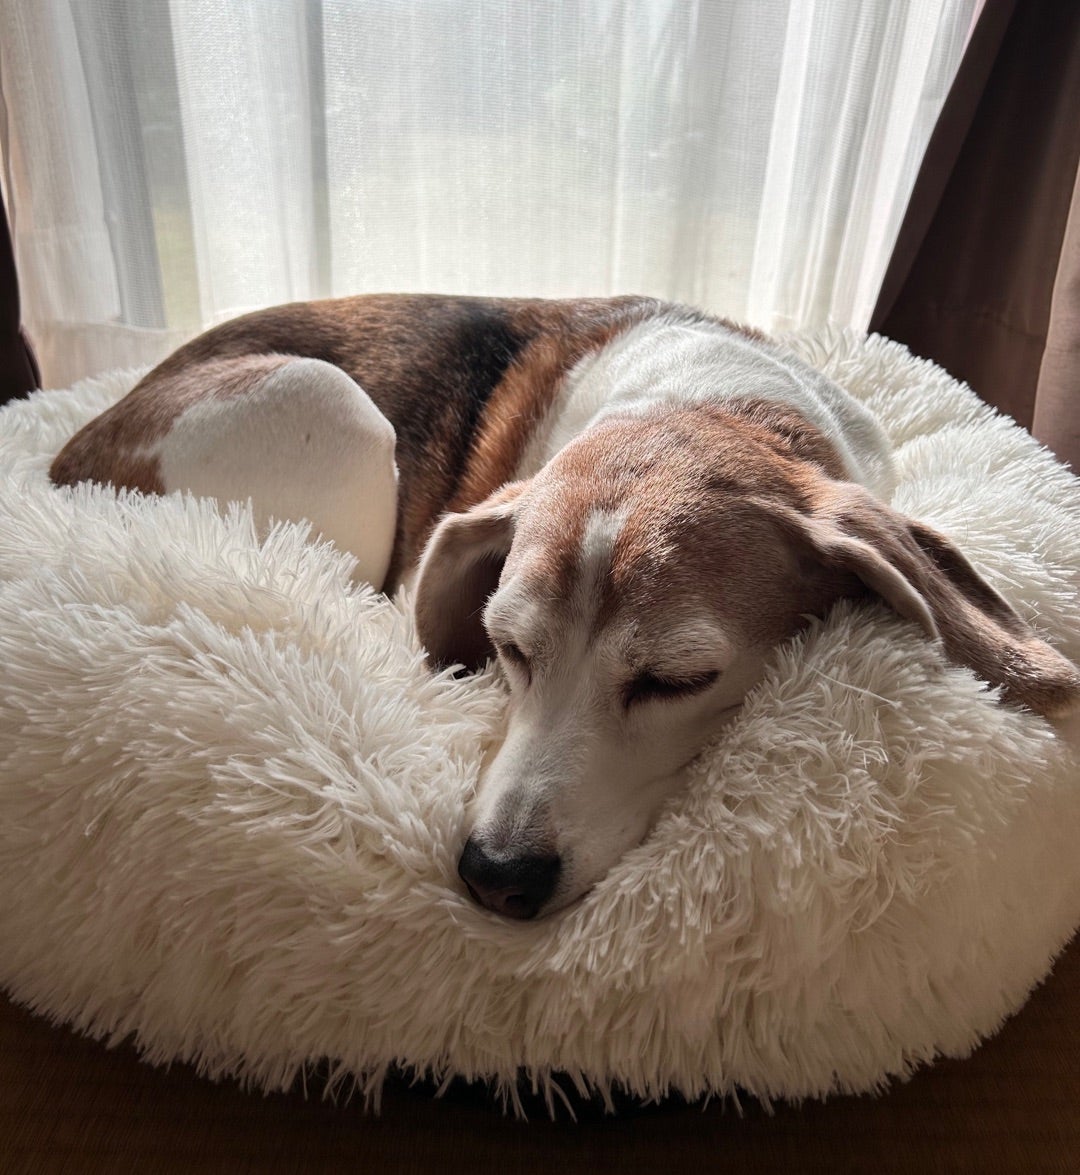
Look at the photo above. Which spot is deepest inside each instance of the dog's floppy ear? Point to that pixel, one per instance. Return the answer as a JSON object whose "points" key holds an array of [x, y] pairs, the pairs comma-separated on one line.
{"points": [[459, 570], [925, 577]]}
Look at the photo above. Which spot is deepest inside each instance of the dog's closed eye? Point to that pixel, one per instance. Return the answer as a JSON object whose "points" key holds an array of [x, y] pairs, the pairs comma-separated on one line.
{"points": [[649, 687], [512, 655]]}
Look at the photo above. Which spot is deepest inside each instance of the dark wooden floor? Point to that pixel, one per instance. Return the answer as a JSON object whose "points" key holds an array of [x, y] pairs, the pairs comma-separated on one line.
{"points": [[70, 1105]]}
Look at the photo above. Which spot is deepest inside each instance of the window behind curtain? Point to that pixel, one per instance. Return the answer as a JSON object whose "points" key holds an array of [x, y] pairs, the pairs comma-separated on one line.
{"points": [[171, 163]]}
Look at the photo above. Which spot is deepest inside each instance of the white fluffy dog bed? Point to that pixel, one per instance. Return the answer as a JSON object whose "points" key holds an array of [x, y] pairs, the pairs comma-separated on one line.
{"points": [[232, 803]]}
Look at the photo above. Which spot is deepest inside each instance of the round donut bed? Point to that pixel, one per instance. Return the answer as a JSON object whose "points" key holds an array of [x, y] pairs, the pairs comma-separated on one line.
{"points": [[233, 797]]}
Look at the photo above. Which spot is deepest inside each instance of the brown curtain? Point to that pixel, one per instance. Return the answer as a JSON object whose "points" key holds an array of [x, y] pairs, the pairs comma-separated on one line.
{"points": [[985, 278], [18, 369]]}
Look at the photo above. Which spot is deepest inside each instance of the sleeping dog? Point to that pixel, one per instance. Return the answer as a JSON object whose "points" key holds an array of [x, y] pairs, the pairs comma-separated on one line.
{"points": [[627, 502]]}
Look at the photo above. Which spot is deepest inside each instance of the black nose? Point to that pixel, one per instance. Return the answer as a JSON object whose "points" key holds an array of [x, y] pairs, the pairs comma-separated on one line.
{"points": [[513, 884]]}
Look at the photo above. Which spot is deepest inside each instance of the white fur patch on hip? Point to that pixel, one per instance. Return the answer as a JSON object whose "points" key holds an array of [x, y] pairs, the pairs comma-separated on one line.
{"points": [[305, 443]]}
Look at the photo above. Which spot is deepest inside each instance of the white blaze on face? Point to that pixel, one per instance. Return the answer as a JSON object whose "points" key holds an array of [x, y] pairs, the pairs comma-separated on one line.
{"points": [[593, 564]]}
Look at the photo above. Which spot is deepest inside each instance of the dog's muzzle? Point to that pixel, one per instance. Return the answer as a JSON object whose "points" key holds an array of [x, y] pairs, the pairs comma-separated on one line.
{"points": [[513, 884]]}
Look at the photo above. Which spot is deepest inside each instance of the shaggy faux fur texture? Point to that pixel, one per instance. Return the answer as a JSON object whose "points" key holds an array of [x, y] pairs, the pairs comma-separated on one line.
{"points": [[231, 801]]}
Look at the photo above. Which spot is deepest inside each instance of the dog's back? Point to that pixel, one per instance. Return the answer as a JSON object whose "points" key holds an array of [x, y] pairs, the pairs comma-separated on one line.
{"points": [[461, 380]]}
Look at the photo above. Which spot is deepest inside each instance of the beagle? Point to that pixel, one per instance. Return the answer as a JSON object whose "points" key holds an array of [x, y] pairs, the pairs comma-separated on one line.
{"points": [[626, 502]]}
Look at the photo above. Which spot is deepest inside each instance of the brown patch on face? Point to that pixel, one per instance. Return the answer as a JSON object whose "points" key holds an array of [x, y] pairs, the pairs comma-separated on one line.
{"points": [[695, 485], [111, 449], [551, 529]]}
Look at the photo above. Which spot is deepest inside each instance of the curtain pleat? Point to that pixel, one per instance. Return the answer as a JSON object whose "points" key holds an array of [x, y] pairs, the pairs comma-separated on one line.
{"points": [[946, 141], [1057, 396], [19, 372], [983, 280]]}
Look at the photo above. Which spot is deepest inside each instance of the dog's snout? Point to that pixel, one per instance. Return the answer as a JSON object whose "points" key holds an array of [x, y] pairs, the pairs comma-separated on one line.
{"points": [[513, 884]]}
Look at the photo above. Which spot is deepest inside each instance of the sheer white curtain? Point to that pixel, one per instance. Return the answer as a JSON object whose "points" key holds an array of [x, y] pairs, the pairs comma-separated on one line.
{"points": [[171, 163]]}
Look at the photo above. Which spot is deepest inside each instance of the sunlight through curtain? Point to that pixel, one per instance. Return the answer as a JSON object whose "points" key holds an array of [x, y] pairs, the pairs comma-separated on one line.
{"points": [[171, 163]]}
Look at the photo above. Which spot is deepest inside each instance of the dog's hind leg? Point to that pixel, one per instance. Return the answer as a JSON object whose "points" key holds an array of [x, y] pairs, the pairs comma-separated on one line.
{"points": [[305, 442], [299, 437]]}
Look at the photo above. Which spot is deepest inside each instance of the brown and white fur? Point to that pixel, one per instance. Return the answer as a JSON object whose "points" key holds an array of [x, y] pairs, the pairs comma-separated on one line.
{"points": [[629, 503]]}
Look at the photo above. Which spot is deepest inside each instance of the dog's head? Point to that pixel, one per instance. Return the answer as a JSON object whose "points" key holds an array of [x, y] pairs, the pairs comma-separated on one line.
{"points": [[631, 591]]}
